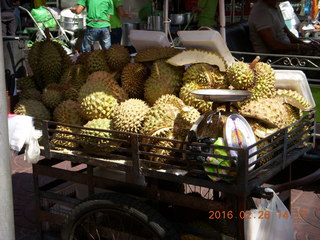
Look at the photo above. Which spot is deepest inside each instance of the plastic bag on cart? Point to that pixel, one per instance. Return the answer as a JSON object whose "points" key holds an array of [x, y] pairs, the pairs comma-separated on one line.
{"points": [[43, 18], [271, 220], [22, 132]]}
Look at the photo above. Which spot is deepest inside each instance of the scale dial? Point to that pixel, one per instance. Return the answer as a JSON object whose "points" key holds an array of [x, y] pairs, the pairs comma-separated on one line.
{"points": [[238, 134]]}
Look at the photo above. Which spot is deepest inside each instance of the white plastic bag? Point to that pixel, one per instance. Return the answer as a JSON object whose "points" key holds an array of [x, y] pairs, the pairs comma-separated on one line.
{"points": [[32, 151], [271, 220]]}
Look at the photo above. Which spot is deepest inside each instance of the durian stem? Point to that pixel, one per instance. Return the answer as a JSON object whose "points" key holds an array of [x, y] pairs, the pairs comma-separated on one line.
{"points": [[254, 62]]}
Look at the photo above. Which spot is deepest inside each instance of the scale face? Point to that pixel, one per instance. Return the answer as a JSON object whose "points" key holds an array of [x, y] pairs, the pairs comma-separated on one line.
{"points": [[238, 134]]}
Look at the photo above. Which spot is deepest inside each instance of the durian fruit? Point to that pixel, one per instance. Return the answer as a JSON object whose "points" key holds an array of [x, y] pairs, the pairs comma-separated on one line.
{"points": [[97, 61], [240, 75], [293, 98], [95, 140], [160, 120], [30, 93], [68, 112], [71, 93], [96, 100], [184, 121], [83, 58], [32, 108], [194, 56], [205, 74], [155, 53], [98, 105], [26, 82], [164, 79], [190, 100], [93, 86], [270, 111], [48, 61], [133, 78], [65, 138], [117, 57], [260, 129], [108, 79], [162, 152], [52, 97], [170, 99], [264, 78], [129, 115], [75, 76]]}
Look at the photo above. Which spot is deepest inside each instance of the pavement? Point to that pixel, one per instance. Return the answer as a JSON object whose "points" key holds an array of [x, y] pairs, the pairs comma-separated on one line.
{"points": [[305, 205]]}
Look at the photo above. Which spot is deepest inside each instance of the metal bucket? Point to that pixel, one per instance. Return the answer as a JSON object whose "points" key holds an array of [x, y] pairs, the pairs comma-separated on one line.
{"points": [[72, 24], [126, 27]]}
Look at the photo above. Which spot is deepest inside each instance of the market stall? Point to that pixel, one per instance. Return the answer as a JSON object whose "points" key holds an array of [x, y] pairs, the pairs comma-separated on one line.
{"points": [[162, 137]]}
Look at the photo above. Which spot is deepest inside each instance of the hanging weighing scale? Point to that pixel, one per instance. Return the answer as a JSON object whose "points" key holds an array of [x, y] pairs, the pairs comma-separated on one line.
{"points": [[223, 123]]}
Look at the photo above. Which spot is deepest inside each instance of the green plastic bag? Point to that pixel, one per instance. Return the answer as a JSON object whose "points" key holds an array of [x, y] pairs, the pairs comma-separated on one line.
{"points": [[43, 18]]}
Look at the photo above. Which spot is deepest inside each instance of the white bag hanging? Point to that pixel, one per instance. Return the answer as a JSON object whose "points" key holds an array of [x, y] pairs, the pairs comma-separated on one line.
{"points": [[271, 220]]}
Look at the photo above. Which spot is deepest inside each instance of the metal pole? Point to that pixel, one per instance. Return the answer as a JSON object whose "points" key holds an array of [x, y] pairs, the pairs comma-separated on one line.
{"points": [[6, 203], [222, 19], [166, 22]]}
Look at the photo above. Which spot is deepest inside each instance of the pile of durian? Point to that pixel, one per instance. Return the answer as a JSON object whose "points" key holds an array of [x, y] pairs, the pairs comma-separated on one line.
{"points": [[148, 94]]}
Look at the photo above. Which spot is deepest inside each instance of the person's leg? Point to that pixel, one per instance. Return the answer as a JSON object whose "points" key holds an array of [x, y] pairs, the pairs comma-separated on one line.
{"points": [[88, 40], [12, 27], [4, 28], [116, 34], [104, 38]]}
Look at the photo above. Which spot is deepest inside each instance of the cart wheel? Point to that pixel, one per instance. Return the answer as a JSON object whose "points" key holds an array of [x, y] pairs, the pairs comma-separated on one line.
{"points": [[116, 216]]}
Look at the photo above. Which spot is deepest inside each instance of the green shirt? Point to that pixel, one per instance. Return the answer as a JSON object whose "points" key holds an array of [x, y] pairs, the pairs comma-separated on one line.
{"points": [[115, 18], [97, 12], [208, 12]]}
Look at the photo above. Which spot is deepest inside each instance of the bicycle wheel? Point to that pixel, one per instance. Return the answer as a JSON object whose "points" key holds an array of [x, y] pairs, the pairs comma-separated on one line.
{"points": [[115, 216]]}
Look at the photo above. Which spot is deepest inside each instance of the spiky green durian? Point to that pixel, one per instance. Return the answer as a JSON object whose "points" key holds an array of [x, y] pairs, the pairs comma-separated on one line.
{"points": [[161, 152], [117, 57], [97, 61], [98, 105], [293, 98], [68, 112], [260, 129], [264, 78], [75, 76], [170, 99], [133, 78], [164, 79], [108, 79], [159, 120], [64, 138], [32, 108], [26, 83], [51, 97], [71, 93], [97, 141], [48, 61], [129, 115], [83, 58], [205, 74], [30, 93], [194, 56], [155, 53], [184, 121], [93, 86], [190, 100], [271, 111], [240, 75]]}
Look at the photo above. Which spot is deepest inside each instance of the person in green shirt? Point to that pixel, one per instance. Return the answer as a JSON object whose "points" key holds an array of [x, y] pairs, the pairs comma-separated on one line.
{"points": [[98, 22], [206, 12], [116, 26]]}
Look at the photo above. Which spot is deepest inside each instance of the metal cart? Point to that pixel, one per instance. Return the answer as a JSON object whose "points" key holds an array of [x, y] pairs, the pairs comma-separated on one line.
{"points": [[155, 192]]}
